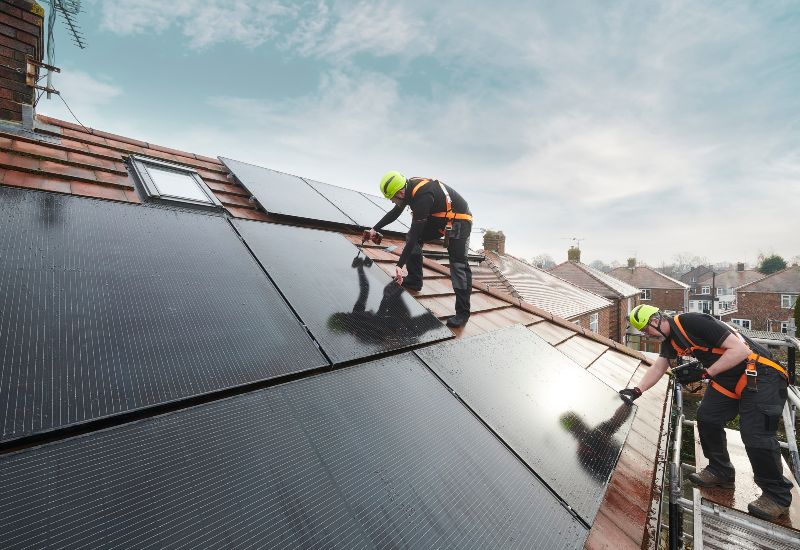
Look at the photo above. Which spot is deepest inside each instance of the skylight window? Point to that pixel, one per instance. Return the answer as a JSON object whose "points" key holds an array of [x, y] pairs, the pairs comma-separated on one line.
{"points": [[168, 182]]}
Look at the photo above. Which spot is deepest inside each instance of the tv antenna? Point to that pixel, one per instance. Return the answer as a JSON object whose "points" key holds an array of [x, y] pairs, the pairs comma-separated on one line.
{"points": [[69, 10], [576, 241]]}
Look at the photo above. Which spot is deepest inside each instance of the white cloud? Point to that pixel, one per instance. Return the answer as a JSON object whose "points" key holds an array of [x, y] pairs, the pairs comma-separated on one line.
{"points": [[86, 95], [203, 22]]}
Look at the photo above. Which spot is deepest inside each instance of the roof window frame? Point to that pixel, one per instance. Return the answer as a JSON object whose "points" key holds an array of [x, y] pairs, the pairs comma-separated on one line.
{"points": [[149, 188]]}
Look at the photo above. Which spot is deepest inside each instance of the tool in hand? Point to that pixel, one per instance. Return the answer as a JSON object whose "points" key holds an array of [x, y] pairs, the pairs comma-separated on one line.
{"points": [[377, 238]]}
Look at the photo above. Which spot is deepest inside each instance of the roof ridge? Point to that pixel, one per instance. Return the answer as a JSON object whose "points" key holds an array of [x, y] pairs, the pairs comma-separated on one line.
{"points": [[768, 276], [588, 270]]}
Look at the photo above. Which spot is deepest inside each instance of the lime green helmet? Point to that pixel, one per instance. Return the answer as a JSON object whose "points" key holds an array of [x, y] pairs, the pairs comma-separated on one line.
{"points": [[391, 183], [641, 314]]}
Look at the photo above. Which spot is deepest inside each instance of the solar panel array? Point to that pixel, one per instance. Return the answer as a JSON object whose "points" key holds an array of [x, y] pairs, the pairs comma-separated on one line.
{"points": [[107, 308], [563, 422], [351, 306], [287, 195], [374, 456]]}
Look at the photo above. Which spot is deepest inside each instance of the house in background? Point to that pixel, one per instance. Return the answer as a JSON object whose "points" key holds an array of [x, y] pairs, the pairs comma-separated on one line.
{"points": [[543, 289], [693, 276], [719, 289], [191, 359], [623, 296], [768, 303], [657, 289]]}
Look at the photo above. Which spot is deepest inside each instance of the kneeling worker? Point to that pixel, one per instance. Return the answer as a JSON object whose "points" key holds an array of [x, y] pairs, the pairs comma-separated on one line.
{"points": [[745, 381], [437, 211]]}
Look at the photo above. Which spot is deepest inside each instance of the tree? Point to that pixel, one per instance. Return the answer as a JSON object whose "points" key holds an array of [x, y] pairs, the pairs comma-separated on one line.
{"points": [[797, 318], [601, 266], [543, 261], [771, 264]]}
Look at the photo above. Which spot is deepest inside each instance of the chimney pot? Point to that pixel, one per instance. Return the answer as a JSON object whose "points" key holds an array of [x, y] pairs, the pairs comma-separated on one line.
{"points": [[494, 241]]}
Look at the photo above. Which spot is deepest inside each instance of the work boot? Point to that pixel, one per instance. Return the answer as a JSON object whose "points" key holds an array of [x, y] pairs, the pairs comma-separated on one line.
{"points": [[458, 320], [766, 508], [707, 478], [414, 287]]}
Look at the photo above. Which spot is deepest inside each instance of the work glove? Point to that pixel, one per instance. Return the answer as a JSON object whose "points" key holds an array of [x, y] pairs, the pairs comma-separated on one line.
{"points": [[629, 395], [690, 372]]}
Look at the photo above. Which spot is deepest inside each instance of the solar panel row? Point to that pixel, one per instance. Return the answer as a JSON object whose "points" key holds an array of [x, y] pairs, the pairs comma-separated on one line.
{"points": [[288, 195]]}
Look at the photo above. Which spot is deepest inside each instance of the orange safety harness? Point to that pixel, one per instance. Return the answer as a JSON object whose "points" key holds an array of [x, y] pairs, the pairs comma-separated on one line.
{"points": [[448, 213], [749, 374]]}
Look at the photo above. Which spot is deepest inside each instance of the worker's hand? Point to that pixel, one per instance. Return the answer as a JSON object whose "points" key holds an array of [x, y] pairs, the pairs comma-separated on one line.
{"points": [[399, 274], [690, 372], [629, 395]]}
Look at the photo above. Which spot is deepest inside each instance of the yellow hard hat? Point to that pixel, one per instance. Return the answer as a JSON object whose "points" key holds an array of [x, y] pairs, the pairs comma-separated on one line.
{"points": [[391, 183]]}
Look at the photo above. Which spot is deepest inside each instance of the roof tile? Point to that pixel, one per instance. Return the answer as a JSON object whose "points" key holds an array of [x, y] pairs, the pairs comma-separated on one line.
{"points": [[98, 191], [35, 181], [551, 332], [66, 170]]}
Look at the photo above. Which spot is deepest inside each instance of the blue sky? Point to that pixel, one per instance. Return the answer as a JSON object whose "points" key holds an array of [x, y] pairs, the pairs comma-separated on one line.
{"points": [[648, 129]]}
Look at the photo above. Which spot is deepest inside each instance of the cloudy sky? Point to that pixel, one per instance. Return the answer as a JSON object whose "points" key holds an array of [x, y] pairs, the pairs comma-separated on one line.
{"points": [[645, 128]]}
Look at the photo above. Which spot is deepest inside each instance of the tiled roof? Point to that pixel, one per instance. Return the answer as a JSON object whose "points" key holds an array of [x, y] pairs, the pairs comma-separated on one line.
{"points": [[732, 278], [644, 277], [90, 163], [786, 281], [593, 280], [539, 287], [695, 273]]}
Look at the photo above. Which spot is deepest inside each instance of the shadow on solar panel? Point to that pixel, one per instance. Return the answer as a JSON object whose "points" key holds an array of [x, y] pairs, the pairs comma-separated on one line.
{"points": [[567, 425]]}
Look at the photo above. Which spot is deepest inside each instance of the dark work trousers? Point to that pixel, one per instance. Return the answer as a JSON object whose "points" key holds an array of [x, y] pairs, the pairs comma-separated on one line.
{"points": [[460, 272], [759, 412]]}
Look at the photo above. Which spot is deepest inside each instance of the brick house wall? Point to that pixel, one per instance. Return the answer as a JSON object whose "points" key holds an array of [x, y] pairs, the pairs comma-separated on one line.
{"points": [[762, 308], [21, 36], [619, 317], [604, 321], [669, 299]]}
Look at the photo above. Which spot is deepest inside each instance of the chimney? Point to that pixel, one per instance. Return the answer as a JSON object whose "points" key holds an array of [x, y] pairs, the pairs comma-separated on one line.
{"points": [[740, 266], [21, 36], [574, 254], [494, 241], [632, 263]]}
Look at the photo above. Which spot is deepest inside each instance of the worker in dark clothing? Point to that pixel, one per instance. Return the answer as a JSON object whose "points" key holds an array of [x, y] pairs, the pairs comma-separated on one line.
{"points": [[438, 211], [744, 381]]}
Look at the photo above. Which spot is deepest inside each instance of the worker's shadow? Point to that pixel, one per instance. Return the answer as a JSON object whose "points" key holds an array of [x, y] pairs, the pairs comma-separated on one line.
{"points": [[598, 449], [391, 324]]}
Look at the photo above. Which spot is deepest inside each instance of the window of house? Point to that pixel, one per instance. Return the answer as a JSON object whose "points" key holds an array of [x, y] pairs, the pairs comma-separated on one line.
{"points": [[705, 290], [744, 323], [645, 294], [785, 327], [594, 321], [788, 300], [168, 182], [720, 292], [705, 306]]}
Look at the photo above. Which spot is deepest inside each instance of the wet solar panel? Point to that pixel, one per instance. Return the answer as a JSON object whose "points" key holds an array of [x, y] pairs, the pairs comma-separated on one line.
{"points": [[358, 207], [350, 305], [107, 308], [378, 455], [285, 194], [563, 422]]}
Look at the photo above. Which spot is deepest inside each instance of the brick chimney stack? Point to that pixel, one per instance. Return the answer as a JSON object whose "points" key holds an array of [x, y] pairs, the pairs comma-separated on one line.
{"points": [[740, 266], [494, 241], [574, 254], [21, 36]]}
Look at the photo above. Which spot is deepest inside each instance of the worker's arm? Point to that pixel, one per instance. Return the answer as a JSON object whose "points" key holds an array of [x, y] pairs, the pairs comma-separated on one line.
{"points": [[421, 210], [653, 374], [389, 217], [735, 352]]}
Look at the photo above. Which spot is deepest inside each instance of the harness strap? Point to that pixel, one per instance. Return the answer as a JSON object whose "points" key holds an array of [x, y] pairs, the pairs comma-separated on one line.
{"points": [[449, 214], [417, 186], [752, 359]]}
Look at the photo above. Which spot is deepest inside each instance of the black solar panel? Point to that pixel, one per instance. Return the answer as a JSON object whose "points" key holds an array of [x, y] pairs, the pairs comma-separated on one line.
{"points": [[285, 194], [351, 306], [108, 307], [567, 425], [374, 456], [355, 205]]}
